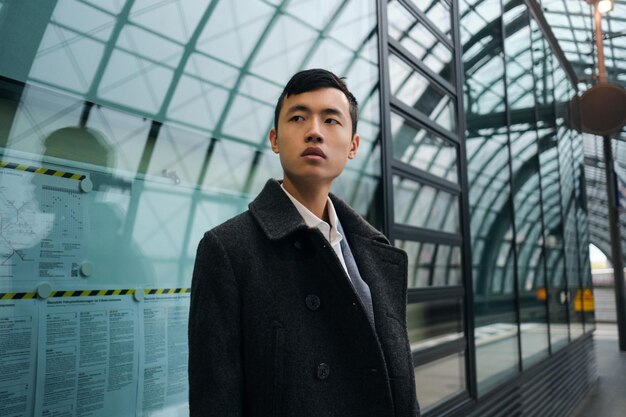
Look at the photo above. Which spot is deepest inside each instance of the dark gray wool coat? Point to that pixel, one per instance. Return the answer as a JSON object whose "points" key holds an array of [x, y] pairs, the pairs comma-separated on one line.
{"points": [[276, 328]]}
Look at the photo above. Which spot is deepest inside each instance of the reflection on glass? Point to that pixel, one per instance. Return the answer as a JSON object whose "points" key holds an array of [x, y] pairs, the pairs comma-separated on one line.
{"points": [[422, 149], [497, 351], [154, 117], [553, 238], [577, 218], [421, 205], [491, 222], [484, 68], [550, 130], [526, 187], [570, 282], [571, 252], [434, 322], [437, 11], [416, 91], [529, 245], [184, 122], [419, 40], [585, 296], [178, 160], [439, 380], [432, 265]]}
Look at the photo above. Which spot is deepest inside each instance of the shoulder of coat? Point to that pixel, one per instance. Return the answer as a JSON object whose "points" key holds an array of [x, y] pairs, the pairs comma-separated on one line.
{"points": [[235, 227]]}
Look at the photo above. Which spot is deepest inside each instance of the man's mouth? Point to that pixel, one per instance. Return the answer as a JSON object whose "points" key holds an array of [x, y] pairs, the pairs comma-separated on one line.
{"points": [[313, 151]]}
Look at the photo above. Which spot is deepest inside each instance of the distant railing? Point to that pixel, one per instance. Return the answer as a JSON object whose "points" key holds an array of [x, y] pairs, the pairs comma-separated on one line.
{"points": [[603, 277], [604, 295]]}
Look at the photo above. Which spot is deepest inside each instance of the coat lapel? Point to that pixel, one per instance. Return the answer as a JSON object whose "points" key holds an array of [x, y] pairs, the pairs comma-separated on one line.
{"points": [[275, 213], [382, 266]]}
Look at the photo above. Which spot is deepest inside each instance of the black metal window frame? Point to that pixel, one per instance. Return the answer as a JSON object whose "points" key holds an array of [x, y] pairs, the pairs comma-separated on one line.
{"points": [[393, 167]]}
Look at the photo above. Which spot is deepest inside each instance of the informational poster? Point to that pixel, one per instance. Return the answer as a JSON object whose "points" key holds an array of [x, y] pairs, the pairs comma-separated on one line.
{"points": [[88, 357], [43, 225], [18, 349], [163, 381], [77, 337]]}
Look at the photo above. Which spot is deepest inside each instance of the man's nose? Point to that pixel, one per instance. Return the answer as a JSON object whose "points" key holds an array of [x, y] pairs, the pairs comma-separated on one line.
{"points": [[314, 132]]}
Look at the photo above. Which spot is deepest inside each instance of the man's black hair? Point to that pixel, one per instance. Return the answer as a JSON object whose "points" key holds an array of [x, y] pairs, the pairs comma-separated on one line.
{"points": [[314, 79]]}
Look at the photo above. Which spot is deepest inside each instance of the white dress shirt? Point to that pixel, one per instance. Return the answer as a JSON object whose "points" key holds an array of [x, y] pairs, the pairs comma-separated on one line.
{"points": [[328, 230]]}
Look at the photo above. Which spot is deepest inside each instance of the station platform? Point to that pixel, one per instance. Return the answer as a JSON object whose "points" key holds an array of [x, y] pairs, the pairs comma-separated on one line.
{"points": [[608, 397]]}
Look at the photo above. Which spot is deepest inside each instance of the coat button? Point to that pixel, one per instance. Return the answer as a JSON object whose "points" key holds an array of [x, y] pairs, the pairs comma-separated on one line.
{"points": [[312, 302], [323, 371], [297, 244]]}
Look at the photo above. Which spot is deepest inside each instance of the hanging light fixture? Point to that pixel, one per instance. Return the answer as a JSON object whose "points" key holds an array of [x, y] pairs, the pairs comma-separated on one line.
{"points": [[605, 6], [602, 107]]}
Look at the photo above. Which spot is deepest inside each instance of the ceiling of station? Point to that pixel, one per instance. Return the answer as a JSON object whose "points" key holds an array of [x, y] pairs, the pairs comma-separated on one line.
{"points": [[166, 77], [572, 23]]}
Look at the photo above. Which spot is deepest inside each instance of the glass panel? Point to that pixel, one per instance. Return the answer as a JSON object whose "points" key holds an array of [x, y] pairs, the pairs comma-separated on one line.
{"points": [[434, 322], [416, 91], [491, 215], [526, 186], [571, 245], [418, 40], [437, 11], [439, 380], [584, 300], [421, 205], [127, 129], [572, 283], [422, 149], [496, 350], [432, 265], [549, 131]]}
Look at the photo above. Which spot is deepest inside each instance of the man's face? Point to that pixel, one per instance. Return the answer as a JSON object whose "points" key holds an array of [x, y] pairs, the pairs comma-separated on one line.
{"points": [[314, 138]]}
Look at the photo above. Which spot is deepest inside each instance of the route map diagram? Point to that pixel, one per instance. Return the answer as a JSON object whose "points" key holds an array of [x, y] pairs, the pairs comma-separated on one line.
{"points": [[42, 228]]}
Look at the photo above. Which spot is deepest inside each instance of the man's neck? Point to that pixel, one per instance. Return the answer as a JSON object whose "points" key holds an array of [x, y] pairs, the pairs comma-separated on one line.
{"points": [[312, 196]]}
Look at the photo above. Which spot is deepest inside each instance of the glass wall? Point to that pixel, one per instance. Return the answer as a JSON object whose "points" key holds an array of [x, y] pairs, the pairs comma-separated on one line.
{"points": [[527, 266], [522, 80], [489, 178], [425, 214], [128, 129]]}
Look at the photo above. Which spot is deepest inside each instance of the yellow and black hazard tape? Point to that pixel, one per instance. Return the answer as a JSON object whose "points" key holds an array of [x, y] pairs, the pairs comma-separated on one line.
{"points": [[17, 295], [72, 293], [92, 293], [159, 291], [39, 170]]}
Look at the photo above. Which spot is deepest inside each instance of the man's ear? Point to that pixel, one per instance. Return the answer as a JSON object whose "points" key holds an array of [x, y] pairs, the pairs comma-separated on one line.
{"points": [[354, 146], [273, 136]]}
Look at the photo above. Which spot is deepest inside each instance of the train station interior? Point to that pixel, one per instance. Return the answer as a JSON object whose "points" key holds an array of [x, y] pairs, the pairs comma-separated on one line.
{"points": [[493, 151]]}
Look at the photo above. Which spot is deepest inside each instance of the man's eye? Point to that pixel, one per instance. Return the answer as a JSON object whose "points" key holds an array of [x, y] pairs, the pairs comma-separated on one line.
{"points": [[332, 121], [296, 118]]}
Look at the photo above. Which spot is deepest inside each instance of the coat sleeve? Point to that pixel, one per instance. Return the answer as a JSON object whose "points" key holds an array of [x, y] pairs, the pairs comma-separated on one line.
{"points": [[215, 356]]}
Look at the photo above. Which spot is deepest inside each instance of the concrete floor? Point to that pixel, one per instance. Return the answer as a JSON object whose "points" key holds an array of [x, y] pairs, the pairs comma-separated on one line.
{"points": [[608, 397]]}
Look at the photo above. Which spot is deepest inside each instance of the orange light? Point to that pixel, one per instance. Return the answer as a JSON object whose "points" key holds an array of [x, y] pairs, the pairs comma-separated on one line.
{"points": [[541, 294], [584, 301]]}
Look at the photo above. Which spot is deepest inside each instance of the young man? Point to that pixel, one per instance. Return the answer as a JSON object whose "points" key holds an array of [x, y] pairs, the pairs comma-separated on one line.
{"points": [[298, 304]]}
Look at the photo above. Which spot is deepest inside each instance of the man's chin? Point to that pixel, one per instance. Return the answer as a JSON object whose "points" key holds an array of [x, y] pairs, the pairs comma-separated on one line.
{"points": [[310, 178]]}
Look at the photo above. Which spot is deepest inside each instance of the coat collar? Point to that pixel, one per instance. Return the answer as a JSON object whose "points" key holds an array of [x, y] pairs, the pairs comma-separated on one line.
{"points": [[278, 217]]}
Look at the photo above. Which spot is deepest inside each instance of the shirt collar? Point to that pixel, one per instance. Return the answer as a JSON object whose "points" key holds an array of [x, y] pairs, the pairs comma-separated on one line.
{"points": [[330, 232]]}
